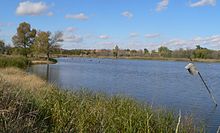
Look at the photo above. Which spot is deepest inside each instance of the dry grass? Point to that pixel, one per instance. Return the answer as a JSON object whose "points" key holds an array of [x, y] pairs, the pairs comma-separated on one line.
{"points": [[22, 79], [29, 104]]}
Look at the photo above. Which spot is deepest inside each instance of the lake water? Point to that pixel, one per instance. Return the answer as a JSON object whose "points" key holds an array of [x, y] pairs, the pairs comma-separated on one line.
{"points": [[160, 83]]}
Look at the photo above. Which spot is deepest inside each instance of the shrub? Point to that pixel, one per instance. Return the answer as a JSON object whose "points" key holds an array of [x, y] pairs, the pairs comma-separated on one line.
{"points": [[14, 61]]}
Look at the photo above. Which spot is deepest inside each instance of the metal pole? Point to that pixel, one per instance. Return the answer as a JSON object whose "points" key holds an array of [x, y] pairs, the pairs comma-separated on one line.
{"points": [[207, 88]]}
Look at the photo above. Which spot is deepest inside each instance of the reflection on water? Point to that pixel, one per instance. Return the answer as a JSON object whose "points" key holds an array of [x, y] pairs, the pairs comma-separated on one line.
{"points": [[161, 83], [46, 72]]}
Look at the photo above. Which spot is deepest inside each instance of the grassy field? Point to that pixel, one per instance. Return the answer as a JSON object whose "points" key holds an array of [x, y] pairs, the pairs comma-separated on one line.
{"points": [[29, 104]]}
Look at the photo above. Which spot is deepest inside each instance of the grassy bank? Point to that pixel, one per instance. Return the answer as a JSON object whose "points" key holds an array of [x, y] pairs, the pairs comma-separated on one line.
{"points": [[43, 61], [14, 61], [22, 62], [29, 104]]}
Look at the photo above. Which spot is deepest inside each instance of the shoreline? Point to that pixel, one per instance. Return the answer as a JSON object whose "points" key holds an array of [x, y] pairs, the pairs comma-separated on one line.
{"points": [[36, 62], [145, 58], [43, 61]]}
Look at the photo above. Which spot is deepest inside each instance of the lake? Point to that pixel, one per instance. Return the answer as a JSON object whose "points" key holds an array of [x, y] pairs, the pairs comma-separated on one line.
{"points": [[160, 83]]}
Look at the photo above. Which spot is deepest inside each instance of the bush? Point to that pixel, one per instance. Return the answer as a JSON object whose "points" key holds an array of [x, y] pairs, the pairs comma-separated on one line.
{"points": [[13, 61]]}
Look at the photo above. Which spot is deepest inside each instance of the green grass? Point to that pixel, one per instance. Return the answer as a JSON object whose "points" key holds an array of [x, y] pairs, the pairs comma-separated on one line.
{"points": [[13, 61], [29, 104]]}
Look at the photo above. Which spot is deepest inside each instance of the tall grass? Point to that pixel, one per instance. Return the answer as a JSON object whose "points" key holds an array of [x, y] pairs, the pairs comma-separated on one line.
{"points": [[13, 61], [29, 104]]}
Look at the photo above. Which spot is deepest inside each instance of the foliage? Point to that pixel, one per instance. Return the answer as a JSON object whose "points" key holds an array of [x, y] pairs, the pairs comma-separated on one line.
{"points": [[24, 37], [164, 51], [29, 104], [12, 61], [201, 52], [41, 42], [146, 51], [45, 42], [2, 46], [115, 51]]}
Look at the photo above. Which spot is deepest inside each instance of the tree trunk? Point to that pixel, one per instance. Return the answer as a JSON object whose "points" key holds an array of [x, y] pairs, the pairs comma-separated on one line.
{"points": [[25, 52], [48, 56]]}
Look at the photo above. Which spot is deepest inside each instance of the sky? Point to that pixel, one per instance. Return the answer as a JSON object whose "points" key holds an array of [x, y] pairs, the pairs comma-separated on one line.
{"points": [[133, 24]]}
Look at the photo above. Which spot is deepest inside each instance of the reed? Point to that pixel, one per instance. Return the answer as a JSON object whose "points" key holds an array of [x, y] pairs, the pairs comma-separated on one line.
{"points": [[29, 104], [13, 61]]}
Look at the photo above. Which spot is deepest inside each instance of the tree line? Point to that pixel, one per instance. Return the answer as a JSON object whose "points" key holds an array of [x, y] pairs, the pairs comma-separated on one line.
{"points": [[29, 42], [162, 51]]}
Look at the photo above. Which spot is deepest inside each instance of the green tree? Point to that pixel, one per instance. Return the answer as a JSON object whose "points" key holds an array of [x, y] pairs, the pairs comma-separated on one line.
{"points": [[2, 46], [146, 51], [115, 51], [201, 52], [164, 51], [45, 42], [41, 42], [199, 47], [24, 37]]}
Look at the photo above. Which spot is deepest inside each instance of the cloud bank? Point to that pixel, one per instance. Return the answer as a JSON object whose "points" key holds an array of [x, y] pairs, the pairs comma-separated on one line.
{"points": [[31, 8]]}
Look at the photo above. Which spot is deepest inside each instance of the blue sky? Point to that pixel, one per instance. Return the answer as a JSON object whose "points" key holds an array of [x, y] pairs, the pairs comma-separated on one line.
{"points": [[134, 24]]}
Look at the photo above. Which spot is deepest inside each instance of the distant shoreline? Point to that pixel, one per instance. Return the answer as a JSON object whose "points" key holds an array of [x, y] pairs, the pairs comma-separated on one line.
{"points": [[146, 58]]}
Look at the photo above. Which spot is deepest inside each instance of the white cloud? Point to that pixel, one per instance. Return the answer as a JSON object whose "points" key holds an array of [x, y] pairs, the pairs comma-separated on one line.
{"points": [[127, 14], [70, 29], [155, 35], [133, 34], [212, 42], [80, 16], [31, 8], [104, 37], [50, 14], [162, 5], [106, 43], [203, 3], [73, 38]]}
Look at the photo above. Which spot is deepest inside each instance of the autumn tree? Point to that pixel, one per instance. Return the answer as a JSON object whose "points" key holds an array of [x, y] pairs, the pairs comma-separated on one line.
{"points": [[41, 42], [46, 42], [24, 37]]}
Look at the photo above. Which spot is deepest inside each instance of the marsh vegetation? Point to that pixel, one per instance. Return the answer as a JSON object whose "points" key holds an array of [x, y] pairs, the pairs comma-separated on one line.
{"points": [[29, 104]]}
